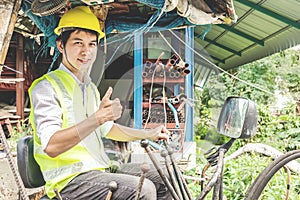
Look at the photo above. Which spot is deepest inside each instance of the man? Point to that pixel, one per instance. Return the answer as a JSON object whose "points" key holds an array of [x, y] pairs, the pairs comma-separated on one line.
{"points": [[69, 121]]}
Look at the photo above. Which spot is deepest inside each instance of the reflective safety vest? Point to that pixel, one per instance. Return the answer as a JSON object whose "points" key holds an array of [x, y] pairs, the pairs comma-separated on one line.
{"points": [[89, 153]]}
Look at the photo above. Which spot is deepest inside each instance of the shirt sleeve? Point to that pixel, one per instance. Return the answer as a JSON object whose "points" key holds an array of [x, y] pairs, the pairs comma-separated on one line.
{"points": [[47, 112]]}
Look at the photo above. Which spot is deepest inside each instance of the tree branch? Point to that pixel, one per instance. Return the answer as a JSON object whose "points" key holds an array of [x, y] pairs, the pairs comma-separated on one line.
{"points": [[265, 150]]}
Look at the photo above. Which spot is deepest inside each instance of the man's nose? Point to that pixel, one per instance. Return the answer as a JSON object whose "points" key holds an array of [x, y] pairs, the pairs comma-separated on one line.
{"points": [[85, 50]]}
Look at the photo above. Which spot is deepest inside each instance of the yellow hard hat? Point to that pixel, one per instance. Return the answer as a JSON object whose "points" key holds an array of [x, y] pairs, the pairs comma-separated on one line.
{"points": [[79, 17]]}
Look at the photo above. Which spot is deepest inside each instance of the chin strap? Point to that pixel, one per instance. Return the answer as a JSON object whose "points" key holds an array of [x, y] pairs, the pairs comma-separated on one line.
{"points": [[69, 61]]}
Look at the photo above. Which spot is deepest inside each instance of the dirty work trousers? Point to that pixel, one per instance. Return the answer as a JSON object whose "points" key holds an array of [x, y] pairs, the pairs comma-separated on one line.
{"points": [[93, 185]]}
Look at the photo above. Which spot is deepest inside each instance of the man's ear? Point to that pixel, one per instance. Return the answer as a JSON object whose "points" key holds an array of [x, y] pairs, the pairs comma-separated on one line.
{"points": [[60, 45]]}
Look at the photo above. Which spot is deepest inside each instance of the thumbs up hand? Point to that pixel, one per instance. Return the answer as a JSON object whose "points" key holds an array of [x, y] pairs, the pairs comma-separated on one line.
{"points": [[109, 110]]}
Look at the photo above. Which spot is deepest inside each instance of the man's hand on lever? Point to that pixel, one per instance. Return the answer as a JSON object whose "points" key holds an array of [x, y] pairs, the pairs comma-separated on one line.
{"points": [[163, 135]]}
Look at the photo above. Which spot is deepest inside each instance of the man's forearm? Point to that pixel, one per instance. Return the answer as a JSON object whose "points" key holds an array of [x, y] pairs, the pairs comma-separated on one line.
{"points": [[65, 139], [123, 133]]}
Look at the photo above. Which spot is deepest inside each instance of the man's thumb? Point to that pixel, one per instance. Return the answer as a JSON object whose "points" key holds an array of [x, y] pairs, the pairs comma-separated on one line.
{"points": [[108, 93]]}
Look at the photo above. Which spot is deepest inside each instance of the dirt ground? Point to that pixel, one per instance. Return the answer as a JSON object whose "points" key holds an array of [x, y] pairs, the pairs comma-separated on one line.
{"points": [[8, 186]]}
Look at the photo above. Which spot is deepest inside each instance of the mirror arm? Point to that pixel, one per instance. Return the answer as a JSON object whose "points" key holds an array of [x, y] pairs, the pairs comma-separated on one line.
{"points": [[227, 145], [213, 154]]}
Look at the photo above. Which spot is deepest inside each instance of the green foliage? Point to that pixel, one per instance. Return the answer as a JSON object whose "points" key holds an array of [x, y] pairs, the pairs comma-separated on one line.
{"points": [[240, 172], [24, 130], [263, 81], [278, 72], [281, 132], [243, 170]]}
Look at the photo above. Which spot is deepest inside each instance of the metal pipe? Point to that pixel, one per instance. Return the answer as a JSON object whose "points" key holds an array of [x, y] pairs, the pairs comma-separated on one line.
{"points": [[173, 100], [185, 72], [181, 64], [175, 57], [150, 72], [144, 144], [177, 74], [170, 63], [159, 57], [145, 74], [154, 119], [145, 167], [186, 188], [181, 106], [176, 171], [159, 66], [164, 154], [179, 69], [148, 64], [172, 74]]}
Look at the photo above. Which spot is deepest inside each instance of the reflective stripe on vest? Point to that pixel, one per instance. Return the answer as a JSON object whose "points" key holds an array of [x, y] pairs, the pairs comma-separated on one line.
{"points": [[89, 153]]}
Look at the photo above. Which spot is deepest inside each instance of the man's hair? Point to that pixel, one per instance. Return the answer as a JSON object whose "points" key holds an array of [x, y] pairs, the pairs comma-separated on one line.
{"points": [[65, 35]]}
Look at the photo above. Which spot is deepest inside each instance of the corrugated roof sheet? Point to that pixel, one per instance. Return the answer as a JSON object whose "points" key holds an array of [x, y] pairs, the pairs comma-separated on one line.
{"points": [[264, 27]]}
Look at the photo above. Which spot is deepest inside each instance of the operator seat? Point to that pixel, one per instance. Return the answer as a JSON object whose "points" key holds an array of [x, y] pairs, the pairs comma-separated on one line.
{"points": [[29, 170]]}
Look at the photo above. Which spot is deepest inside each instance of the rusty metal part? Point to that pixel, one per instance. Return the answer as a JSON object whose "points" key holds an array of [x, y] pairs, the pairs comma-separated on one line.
{"points": [[159, 58], [145, 167], [159, 67], [181, 106], [113, 186], [145, 74], [13, 166], [215, 176], [205, 168], [186, 187], [164, 154], [172, 74], [58, 196], [145, 145], [185, 72], [177, 75], [185, 193]]}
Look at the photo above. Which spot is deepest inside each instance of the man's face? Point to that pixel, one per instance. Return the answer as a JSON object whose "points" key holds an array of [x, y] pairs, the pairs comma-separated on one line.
{"points": [[80, 51]]}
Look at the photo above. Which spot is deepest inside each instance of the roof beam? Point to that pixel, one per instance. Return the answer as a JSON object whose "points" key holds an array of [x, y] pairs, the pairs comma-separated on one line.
{"points": [[242, 34], [217, 59], [270, 13], [8, 17], [212, 60], [223, 46], [218, 44]]}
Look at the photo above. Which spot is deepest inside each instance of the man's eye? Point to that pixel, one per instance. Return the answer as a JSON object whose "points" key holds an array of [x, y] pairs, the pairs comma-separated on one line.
{"points": [[78, 43], [93, 44]]}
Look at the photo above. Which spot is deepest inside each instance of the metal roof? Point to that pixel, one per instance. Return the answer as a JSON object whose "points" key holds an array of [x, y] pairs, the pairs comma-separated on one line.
{"points": [[263, 27]]}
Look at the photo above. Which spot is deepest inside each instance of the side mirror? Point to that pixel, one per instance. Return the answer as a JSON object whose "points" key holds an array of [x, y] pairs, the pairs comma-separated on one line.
{"points": [[238, 118]]}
